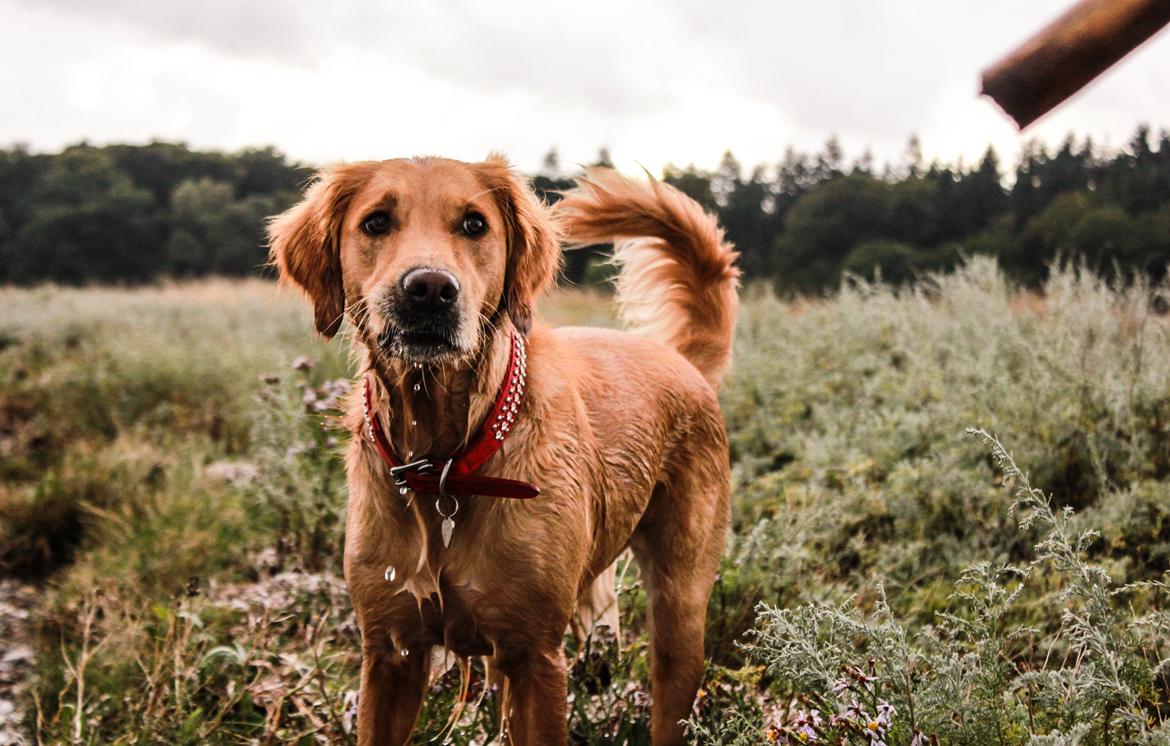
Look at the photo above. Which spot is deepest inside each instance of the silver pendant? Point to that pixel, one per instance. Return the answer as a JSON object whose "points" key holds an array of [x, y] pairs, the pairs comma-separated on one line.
{"points": [[448, 525]]}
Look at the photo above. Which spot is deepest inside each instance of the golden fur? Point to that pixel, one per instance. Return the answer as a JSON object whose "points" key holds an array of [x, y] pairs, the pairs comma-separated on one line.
{"points": [[621, 431]]}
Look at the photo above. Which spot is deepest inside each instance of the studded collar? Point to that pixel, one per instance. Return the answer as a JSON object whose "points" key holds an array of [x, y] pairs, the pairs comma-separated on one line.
{"points": [[456, 475]]}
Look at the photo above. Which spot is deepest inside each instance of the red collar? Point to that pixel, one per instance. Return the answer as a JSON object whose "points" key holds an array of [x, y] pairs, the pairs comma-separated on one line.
{"points": [[455, 476]]}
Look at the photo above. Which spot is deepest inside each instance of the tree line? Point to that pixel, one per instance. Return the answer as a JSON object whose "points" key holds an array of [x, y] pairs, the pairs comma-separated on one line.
{"points": [[126, 213]]}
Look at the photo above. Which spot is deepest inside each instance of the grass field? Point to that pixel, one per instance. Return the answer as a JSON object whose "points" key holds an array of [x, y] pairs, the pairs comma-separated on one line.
{"points": [[171, 509]]}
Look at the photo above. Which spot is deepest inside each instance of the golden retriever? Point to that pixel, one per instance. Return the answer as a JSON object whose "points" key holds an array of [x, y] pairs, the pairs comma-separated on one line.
{"points": [[438, 266]]}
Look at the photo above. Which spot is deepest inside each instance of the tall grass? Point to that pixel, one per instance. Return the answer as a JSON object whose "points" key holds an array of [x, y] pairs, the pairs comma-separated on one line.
{"points": [[889, 577]]}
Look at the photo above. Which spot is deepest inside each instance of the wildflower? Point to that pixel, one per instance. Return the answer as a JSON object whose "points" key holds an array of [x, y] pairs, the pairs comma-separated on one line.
{"points": [[349, 714], [805, 724], [919, 739], [853, 675], [303, 363], [877, 727]]}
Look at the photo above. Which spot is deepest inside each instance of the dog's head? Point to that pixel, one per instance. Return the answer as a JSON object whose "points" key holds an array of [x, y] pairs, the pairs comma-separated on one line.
{"points": [[425, 254]]}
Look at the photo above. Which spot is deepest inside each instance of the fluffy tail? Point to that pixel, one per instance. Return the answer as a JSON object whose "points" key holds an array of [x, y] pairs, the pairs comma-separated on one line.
{"points": [[678, 277]]}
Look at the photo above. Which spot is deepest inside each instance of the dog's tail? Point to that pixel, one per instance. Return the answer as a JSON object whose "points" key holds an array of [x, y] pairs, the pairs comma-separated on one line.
{"points": [[678, 278]]}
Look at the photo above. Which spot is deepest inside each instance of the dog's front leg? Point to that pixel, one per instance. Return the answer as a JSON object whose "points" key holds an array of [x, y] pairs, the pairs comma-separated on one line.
{"points": [[392, 688], [536, 706]]}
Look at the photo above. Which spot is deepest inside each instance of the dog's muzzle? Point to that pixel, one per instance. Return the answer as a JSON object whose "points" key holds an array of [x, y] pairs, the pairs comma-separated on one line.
{"points": [[422, 314]]}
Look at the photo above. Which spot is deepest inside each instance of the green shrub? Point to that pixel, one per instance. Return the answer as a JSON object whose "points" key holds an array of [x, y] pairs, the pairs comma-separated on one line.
{"points": [[843, 674], [892, 261]]}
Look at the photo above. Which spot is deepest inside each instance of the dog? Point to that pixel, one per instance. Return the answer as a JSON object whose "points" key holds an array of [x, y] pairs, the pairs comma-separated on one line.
{"points": [[601, 439]]}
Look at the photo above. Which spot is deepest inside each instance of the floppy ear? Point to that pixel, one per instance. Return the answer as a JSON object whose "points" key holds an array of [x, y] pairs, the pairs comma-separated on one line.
{"points": [[534, 252], [305, 242]]}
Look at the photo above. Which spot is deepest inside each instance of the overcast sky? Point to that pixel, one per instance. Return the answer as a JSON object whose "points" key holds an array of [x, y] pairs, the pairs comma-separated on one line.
{"points": [[658, 81]]}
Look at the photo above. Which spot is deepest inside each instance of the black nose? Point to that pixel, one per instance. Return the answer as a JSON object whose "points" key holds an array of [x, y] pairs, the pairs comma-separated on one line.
{"points": [[430, 288]]}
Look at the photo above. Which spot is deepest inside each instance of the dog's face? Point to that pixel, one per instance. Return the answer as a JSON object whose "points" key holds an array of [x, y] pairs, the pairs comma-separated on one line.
{"points": [[425, 254]]}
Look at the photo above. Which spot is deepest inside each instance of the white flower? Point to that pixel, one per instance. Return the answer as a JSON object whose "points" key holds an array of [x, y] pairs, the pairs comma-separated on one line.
{"points": [[804, 725]]}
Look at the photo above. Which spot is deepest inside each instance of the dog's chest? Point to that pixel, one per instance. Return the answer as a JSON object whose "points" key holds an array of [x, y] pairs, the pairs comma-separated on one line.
{"points": [[447, 596], [473, 593], [453, 616]]}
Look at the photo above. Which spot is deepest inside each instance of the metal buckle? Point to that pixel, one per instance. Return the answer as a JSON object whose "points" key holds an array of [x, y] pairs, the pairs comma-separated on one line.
{"points": [[422, 466]]}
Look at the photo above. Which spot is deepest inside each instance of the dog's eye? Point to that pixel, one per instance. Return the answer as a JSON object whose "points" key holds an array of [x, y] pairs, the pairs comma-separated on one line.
{"points": [[376, 224], [474, 225]]}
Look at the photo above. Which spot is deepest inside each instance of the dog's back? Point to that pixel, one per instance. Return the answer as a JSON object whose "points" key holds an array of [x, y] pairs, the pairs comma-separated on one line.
{"points": [[654, 413]]}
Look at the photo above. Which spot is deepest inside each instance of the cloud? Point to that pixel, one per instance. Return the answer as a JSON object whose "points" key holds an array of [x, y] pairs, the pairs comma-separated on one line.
{"points": [[274, 29], [657, 81], [578, 56], [596, 56]]}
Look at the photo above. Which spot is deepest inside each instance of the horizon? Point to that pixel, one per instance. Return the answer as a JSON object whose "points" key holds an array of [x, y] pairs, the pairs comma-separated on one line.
{"points": [[1007, 161], [880, 169]]}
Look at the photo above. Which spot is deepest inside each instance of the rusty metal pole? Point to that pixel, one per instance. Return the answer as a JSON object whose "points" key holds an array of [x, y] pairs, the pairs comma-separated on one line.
{"points": [[1071, 51]]}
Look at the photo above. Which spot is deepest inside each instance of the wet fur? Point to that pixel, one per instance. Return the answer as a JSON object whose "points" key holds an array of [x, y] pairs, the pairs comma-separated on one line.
{"points": [[621, 431]]}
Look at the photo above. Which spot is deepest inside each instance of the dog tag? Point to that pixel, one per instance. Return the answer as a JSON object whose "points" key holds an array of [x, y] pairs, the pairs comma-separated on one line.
{"points": [[447, 527]]}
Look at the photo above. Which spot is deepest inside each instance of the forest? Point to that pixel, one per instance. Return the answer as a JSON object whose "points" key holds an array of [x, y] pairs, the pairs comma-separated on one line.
{"points": [[131, 214]]}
